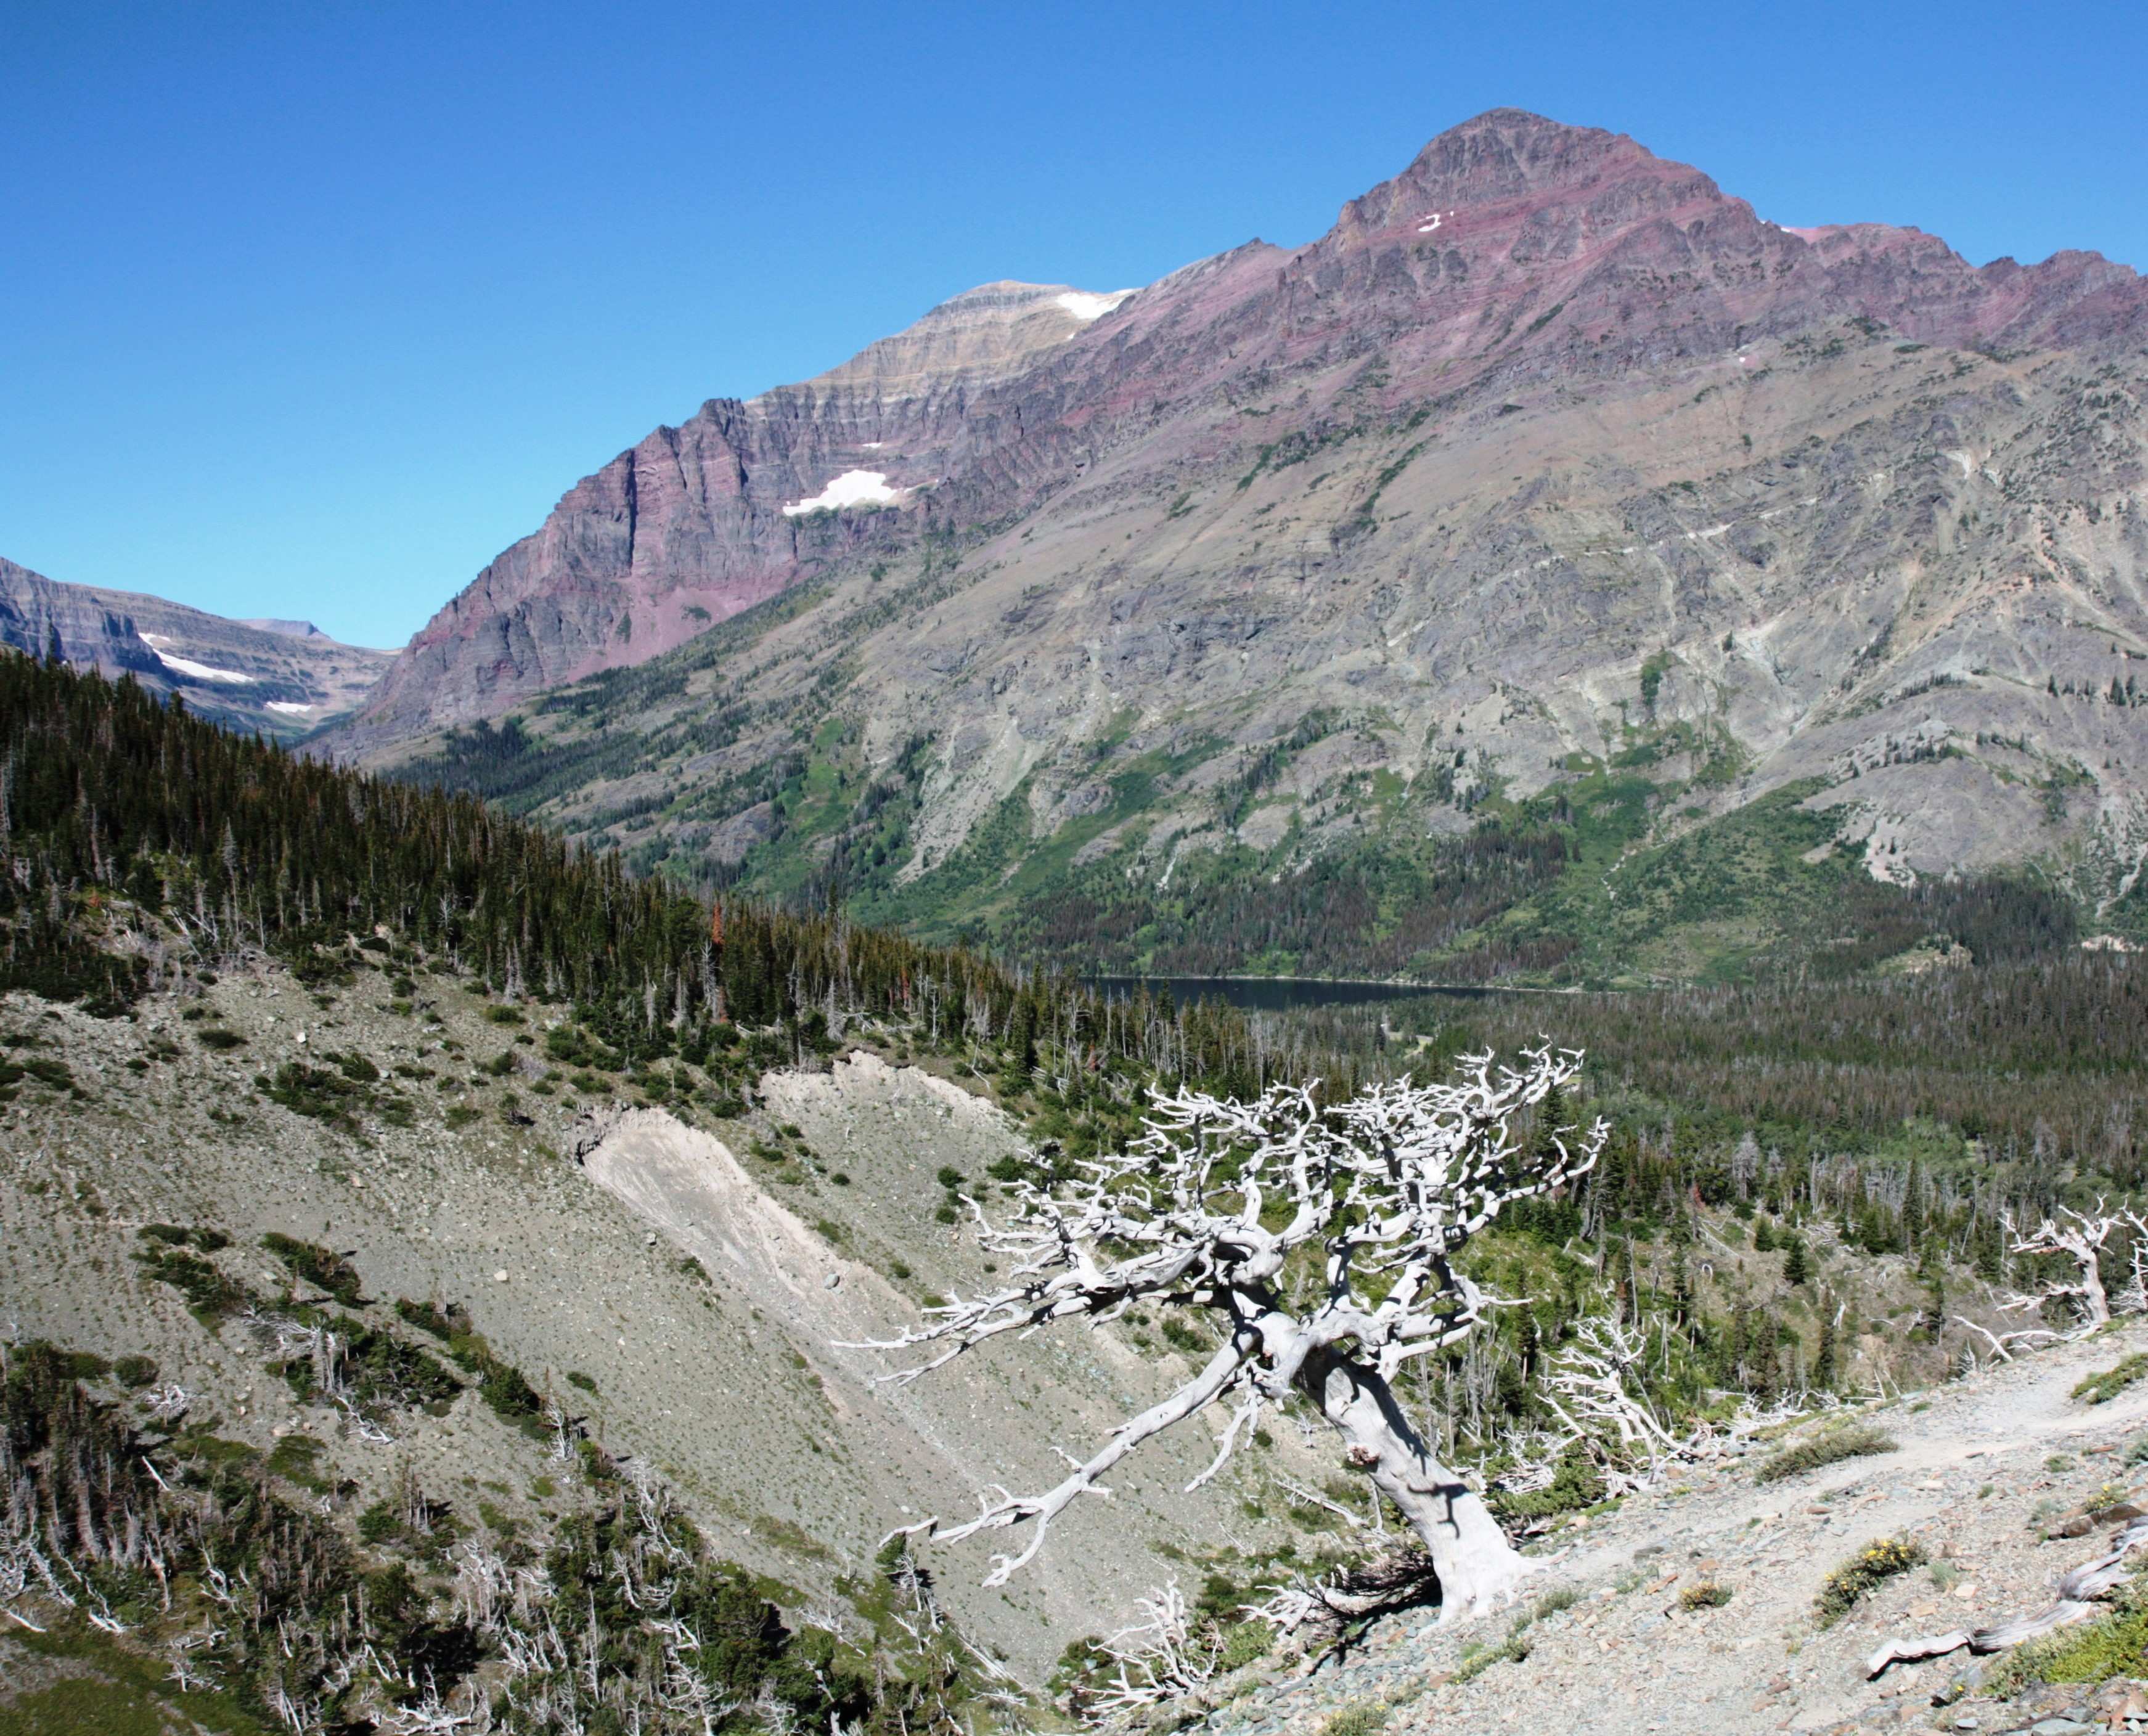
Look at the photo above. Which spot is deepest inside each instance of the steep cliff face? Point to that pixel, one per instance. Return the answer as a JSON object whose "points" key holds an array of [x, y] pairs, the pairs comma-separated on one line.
{"points": [[1549, 462], [284, 678], [700, 521]]}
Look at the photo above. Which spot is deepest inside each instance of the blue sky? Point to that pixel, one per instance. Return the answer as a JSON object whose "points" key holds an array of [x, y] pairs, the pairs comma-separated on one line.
{"points": [[310, 310]]}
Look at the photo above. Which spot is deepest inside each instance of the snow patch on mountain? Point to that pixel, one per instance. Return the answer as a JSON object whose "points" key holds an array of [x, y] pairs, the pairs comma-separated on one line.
{"points": [[1085, 305], [187, 666], [853, 488]]}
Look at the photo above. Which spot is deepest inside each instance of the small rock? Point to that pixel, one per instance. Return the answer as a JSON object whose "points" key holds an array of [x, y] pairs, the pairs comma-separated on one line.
{"points": [[831, 1281], [499, 1277]]}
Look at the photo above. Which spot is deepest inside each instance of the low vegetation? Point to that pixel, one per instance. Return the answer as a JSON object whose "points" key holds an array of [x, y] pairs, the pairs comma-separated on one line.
{"points": [[2101, 1388], [1871, 1567], [1830, 1447]]}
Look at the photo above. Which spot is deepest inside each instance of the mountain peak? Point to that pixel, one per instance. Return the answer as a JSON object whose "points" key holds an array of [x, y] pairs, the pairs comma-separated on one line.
{"points": [[984, 334], [1510, 153]]}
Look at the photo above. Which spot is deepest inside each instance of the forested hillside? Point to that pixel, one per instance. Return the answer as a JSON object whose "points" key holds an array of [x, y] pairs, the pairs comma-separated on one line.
{"points": [[1816, 1185]]}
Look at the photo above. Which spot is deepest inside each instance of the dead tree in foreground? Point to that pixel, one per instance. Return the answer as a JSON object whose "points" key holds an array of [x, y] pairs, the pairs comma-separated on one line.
{"points": [[1205, 1210]]}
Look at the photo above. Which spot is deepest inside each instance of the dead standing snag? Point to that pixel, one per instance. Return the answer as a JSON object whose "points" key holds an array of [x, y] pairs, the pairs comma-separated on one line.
{"points": [[1204, 1210]]}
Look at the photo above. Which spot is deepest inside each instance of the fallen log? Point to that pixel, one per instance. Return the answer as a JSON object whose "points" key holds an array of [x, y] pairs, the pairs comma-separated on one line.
{"points": [[2077, 1592]]}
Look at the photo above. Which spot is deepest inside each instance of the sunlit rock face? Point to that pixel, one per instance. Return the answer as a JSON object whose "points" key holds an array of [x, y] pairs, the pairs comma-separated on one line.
{"points": [[1547, 446]]}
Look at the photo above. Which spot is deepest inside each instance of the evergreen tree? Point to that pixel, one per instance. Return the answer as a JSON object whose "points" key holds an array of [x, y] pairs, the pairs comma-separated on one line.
{"points": [[1021, 1067], [1795, 1268]]}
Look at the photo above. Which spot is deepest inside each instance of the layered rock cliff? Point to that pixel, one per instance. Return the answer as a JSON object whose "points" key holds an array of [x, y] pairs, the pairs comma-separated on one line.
{"points": [[284, 678], [1550, 460]]}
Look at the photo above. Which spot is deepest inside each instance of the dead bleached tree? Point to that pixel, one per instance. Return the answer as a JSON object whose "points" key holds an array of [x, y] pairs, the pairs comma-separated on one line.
{"points": [[1205, 1210], [1161, 1659], [2079, 1236], [1595, 1391]]}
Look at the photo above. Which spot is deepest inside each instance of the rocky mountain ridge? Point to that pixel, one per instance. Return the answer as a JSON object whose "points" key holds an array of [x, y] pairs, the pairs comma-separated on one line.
{"points": [[1551, 482], [284, 678], [1505, 219]]}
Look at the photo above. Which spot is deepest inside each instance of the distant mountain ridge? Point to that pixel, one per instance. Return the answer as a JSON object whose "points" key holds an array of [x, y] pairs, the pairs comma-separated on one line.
{"points": [[284, 678], [1549, 462]]}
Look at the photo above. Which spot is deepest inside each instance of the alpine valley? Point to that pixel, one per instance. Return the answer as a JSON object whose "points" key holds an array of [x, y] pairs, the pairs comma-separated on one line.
{"points": [[567, 1183], [1555, 572]]}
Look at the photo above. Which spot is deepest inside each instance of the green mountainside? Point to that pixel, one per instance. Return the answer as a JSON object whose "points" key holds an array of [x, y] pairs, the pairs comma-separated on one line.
{"points": [[1620, 873]]}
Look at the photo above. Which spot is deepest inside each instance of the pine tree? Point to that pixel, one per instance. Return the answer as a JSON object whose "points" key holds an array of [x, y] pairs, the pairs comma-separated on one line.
{"points": [[1823, 1374], [1795, 1268], [1021, 1068]]}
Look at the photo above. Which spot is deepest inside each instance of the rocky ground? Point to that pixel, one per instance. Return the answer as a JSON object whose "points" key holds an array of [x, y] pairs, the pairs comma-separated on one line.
{"points": [[695, 1280], [692, 1284], [1984, 1469]]}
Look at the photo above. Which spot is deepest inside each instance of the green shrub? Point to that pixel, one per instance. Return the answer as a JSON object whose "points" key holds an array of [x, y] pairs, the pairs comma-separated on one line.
{"points": [[316, 1092], [1512, 1649], [577, 1047], [1179, 1335], [178, 1236], [1703, 1594], [1853, 1440], [1366, 1717], [319, 1266], [2102, 1388], [135, 1372], [1244, 1642], [217, 1037], [209, 1294], [428, 1318], [1874, 1565], [293, 1459], [499, 1384]]}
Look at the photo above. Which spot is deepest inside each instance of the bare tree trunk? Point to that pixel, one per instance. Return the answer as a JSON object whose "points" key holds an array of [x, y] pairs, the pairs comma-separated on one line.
{"points": [[1476, 1566]]}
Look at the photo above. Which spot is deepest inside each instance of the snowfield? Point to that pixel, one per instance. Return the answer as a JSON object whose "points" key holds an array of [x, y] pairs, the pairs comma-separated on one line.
{"points": [[187, 666], [1086, 305], [853, 488]]}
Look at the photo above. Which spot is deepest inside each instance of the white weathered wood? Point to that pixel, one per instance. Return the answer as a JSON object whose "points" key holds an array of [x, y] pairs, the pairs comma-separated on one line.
{"points": [[2078, 1591], [2080, 1235], [1203, 1210]]}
